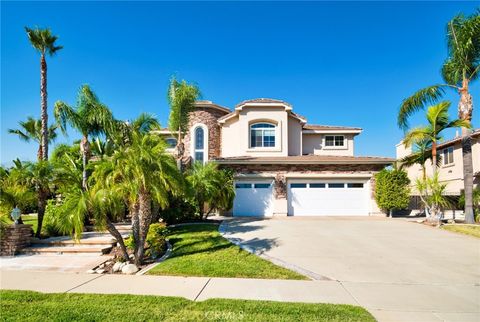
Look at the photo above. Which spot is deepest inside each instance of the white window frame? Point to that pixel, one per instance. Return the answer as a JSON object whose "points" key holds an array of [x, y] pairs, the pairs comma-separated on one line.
{"points": [[275, 129], [445, 161], [205, 141], [334, 147]]}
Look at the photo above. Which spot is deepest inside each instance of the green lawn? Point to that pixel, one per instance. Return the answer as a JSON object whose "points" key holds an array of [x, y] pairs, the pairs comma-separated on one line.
{"points": [[200, 250], [472, 230], [33, 306]]}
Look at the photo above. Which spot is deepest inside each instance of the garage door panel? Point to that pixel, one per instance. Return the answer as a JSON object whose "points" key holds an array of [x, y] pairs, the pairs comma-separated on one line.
{"points": [[328, 198], [253, 198]]}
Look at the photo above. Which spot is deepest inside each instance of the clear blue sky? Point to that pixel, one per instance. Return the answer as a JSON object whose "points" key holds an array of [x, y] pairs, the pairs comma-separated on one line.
{"points": [[337, 63]]}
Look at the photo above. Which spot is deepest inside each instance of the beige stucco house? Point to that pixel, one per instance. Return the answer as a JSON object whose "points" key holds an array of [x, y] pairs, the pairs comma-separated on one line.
{"points": [[451, 168], [283, 165]]}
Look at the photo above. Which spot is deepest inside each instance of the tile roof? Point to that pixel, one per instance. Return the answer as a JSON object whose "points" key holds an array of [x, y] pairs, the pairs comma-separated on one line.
{"points": [[263, 100], [328, 127], [211, 104], [309, 159], [475, 133]]}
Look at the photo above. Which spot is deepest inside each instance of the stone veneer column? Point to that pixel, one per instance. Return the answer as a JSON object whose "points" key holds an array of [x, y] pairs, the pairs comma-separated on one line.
{"points": [[15, 238], [280, 202]]}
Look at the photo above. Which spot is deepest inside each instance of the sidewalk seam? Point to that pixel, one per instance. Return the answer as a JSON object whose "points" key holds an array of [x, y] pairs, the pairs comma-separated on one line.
{"points": [[101, 275], [349, 293], [204, 286]]}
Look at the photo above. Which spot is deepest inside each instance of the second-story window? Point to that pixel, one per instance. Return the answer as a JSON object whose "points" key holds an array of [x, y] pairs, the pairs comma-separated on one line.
{"points": [[334, 140], [199, 144], [171, 143], [262, 135], [448, 156]]}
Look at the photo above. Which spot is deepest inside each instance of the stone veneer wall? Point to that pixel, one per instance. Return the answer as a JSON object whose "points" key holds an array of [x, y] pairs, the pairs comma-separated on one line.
{"points": [[15, 238], [207, 116]]}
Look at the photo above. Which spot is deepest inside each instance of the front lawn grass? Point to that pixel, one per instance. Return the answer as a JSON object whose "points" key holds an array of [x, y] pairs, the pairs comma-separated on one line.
{"points": [[200, 250], [472, 230], [33, 306]]}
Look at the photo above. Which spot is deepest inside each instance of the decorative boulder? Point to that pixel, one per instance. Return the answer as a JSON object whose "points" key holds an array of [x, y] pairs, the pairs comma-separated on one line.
{"points": [[129, 269], [117, 267]]}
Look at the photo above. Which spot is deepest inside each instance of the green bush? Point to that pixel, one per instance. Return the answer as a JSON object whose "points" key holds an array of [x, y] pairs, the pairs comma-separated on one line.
{"points": [[156, 239], [129, 242], [180, 210], [50, 220], [392, 191]]}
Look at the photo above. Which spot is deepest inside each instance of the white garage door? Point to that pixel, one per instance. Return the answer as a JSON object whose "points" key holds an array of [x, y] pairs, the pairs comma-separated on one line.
{"points": [[253, 198], [328, 198]]}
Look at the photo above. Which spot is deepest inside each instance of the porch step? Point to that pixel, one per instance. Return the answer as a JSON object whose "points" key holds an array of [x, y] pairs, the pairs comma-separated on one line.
{"points": [[71, 242]]}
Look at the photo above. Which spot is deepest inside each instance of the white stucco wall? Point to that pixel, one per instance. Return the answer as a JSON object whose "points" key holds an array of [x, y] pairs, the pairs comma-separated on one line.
{"points": [[236, 132], [452, 174], [294, 136], [315, 144]]}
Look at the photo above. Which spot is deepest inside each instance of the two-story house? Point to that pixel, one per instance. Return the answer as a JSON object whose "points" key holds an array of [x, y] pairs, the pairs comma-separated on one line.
{"points": [[283, 165], [450, 171]]}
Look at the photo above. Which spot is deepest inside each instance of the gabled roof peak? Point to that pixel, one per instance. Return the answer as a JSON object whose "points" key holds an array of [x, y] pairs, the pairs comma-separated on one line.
{"points": [[263, 101]]}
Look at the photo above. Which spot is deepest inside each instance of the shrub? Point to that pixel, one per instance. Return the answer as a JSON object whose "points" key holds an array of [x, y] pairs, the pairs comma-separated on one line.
{"points": [[129, 242], [180, 210], [156, 239], [50, 220], [392, 191]]}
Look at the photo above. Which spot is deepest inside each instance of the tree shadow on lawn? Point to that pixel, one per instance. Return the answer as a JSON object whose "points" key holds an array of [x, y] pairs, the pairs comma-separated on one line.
{"points": [[209, 244]]}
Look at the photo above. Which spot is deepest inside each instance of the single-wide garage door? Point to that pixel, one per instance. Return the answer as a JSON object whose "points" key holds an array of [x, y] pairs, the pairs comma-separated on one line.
{"points": [[328, 198], [253, 198]]}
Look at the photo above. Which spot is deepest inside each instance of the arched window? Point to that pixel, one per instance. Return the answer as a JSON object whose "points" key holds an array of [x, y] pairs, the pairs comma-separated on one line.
{"points": [[199, 144], [262, 135]]}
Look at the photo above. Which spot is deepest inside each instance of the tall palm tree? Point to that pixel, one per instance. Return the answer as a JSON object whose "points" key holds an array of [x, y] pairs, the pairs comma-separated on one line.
{"points": [[44, 42], [459, 70], [438, 121], [31, 130], [181, 98], [90, 117]]}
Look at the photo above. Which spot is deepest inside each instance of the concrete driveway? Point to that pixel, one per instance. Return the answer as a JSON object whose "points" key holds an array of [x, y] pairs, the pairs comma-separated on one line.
{"points": [[398, 270]]}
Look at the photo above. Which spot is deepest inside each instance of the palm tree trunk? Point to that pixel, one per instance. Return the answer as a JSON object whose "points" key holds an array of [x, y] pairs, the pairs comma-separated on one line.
{"points": [[135, 224], [465, 109], [41, 204], [44, 112], [115, 233], [145, 217], [85, 149], [434, 156], [180, 151]]}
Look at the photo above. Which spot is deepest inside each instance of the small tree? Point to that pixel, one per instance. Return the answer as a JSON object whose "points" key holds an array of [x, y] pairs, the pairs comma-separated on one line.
{"points": [[432, 194], [210, 188], [392, 191]]}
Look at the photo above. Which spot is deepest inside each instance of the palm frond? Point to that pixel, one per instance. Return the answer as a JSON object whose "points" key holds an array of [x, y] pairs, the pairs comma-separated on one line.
{"points": [[418, 101]]}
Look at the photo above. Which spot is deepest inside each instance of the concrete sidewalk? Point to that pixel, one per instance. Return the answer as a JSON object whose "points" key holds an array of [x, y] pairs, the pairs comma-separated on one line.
{"points": [[421, 304]]}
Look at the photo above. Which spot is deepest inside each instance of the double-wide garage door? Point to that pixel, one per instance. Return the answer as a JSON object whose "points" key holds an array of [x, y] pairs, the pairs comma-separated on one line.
{"points": [[328, 198]]}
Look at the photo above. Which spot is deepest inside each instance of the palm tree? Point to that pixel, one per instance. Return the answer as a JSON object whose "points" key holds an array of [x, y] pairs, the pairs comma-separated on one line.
{"points": [[210, 187], [459, 70], [90, 117], [144, 172], [181, 98], [122, 131], [422, 152], [44, 42], [31, 130], [438, 121]]}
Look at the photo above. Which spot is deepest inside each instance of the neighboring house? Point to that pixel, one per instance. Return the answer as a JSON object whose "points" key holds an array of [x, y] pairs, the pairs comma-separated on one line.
{"points": [[450, 170], [283, 166]]}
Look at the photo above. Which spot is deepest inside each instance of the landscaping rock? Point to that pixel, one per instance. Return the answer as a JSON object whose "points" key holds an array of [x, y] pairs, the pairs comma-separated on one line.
{"points": [[117, 267], [129, 269], [91, 271], [100, 271]]}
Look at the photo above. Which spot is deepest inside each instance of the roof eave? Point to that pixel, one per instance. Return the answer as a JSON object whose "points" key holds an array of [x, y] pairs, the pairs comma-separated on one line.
{"points": [[336, 131], [380, 162]]}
